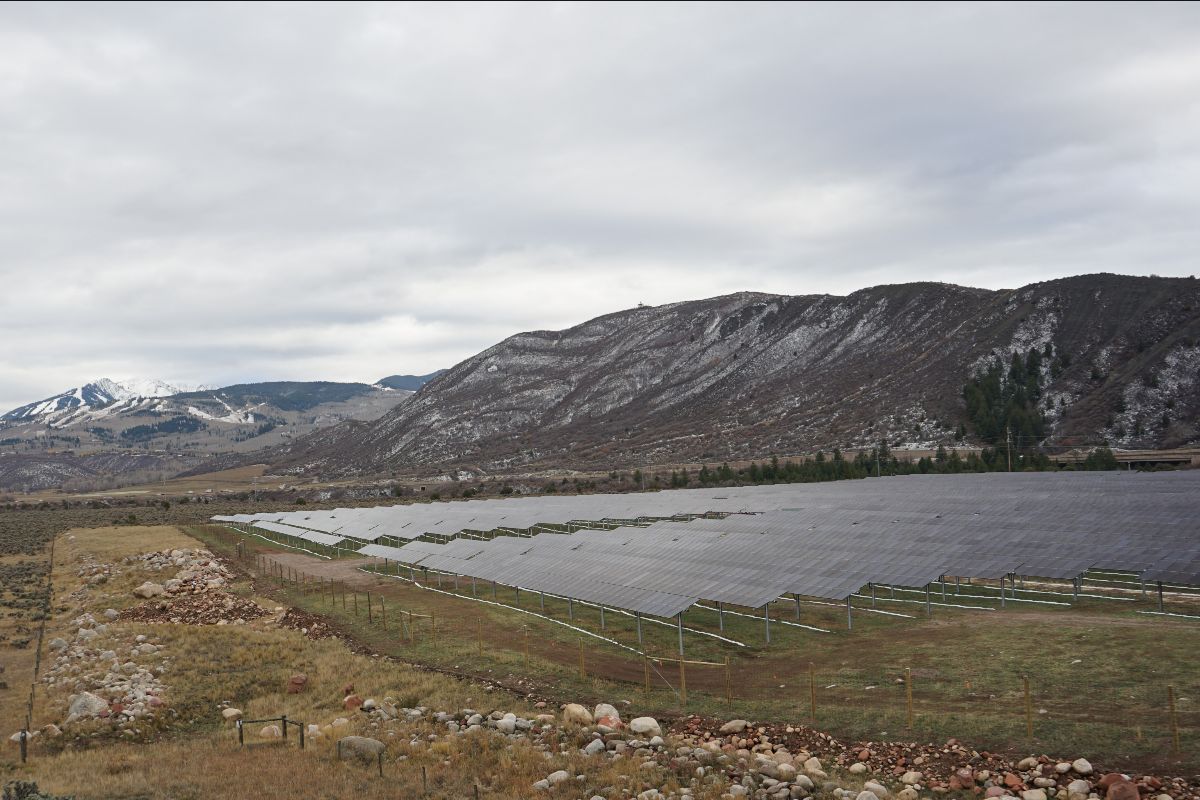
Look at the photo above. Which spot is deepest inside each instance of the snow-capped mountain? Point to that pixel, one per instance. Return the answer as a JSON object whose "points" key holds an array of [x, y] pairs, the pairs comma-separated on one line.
{"points": [[96, 395]]}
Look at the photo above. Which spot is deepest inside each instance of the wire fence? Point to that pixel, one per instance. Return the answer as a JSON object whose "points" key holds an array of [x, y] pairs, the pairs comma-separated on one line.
{"points": [[1062, 705]]}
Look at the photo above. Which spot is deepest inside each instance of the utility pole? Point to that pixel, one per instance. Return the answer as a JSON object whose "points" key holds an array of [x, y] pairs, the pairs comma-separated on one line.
{"points": [[1009, 448]]}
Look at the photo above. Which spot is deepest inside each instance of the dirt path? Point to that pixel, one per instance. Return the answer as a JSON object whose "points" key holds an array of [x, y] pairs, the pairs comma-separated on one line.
{"points": [[347, 570]]}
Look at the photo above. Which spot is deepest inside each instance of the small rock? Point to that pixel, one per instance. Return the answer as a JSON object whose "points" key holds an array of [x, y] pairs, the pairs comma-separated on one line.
{"points": [[575, 714], [271, 732], [734, 726], [645, 726], [866, 795], [232, 714], [1082, 766], [1033, 794], [875, 788], [148, 590], [858, 768], [361, 748], [911, 777]]}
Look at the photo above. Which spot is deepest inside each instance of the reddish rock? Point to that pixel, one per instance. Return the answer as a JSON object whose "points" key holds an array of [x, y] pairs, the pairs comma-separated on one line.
{"points": [[117, 708], [864, 754], [995, 791], [612, 722], [1013, 781], [297, 683], [1109, 779], [348, 689], [352, 702], [1122, 790]]}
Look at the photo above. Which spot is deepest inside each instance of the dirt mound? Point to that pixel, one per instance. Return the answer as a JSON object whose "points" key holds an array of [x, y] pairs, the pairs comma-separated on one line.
{"points": [[310, 625], [197, 609]]}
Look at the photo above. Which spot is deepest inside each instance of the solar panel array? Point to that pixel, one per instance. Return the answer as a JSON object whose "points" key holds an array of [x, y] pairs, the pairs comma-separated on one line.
{"points": [[663, 551]]}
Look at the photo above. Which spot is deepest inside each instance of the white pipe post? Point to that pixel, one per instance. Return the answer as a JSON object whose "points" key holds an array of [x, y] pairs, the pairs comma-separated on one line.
{"points": [[679, 618], [721, 616], [849, 614], [767, 621], [796, 597]]}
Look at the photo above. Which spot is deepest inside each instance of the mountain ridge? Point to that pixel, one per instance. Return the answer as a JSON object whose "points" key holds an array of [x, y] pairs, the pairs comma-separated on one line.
{"points": [[750, 373]]}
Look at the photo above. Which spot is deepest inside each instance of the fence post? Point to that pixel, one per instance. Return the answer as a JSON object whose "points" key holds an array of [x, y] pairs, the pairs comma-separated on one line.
{"points": [[1174, 719], [355, 604], [24, 745], [381, 764], [682, 685], [241, 735], [479, 625], [812, 690], [301, 735], [370, 616], [432, 626], [582, 668], [424, 782], [728, 685], [646, 670], [527, 645], [283, 719], [1028, 710], [382, 613], [908, 693]]}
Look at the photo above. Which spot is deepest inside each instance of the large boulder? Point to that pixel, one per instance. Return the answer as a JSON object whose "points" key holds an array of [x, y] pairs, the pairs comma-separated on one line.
{"points": [[57, 644], [734, 726], [232, 714], [271, 732], [360, 748], [645, 726], [352, 703], [87, 704], [575, 714], [149, 590], [297, 683]]}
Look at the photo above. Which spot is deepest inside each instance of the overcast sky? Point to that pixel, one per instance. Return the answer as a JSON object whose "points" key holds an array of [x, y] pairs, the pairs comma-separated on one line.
{"points": [[216, 194]]}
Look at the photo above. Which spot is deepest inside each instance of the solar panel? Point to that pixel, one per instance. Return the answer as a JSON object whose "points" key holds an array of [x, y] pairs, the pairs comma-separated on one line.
{"points": [[659, 551]]}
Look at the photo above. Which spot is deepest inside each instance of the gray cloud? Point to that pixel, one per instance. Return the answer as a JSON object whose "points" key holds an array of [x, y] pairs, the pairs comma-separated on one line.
{"points": [[224, 193]]}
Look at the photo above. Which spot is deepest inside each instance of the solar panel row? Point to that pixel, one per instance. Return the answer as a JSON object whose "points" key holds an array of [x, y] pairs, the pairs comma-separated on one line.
{"points": [[754, 544]]}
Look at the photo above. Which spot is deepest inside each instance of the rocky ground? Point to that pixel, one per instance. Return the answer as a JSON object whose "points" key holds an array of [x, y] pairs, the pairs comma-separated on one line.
{"points": [[730, 759]]}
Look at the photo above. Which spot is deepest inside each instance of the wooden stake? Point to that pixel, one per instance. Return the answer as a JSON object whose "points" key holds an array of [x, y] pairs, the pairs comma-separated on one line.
{"points": [[480, 625], [812, 690], [646, 670], [382, 613], [1028, 710], [728, 685], [527, 646], [1174, 719], [682, 685], [908, 692], [582, 666], [370, 616], [356, 604]]}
